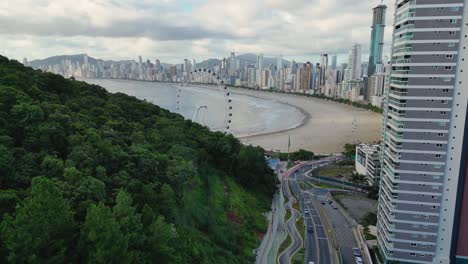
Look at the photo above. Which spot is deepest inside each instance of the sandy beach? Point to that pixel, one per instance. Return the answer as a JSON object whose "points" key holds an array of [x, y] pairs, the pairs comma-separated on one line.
{"points": [[266, 119], [326, 128]]}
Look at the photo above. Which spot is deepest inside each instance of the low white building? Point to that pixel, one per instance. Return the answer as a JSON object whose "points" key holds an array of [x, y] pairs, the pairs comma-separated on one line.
{"points": [[368, 162]]}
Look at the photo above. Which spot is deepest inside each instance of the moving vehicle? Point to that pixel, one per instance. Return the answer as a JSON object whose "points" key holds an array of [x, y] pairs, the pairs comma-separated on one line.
{"points": [[356, 252], [306, 211], [310, 229], [358, 260], [322, 202]]}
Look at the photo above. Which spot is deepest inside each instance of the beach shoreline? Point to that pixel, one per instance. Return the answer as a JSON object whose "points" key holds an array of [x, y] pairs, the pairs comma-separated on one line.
{"points": [[325, 127]]}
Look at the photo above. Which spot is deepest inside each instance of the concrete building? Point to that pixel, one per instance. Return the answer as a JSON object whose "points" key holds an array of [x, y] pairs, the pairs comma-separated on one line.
{"points": [[377, 39], [355, 62], [305, 78], [423, 204], [368, 162]]}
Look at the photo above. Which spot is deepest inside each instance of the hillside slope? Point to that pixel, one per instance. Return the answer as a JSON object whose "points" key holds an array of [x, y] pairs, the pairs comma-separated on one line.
{"points": [[89, 176]]}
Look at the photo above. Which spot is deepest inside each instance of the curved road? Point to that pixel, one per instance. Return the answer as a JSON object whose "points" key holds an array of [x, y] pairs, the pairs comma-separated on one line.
{"points": [[296, 238]]}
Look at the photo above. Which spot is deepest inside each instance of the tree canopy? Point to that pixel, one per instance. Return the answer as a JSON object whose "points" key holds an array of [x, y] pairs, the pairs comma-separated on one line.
{"points": [[89, 176]]}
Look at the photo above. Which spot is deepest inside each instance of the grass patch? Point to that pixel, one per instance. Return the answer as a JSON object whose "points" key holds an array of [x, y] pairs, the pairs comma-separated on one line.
{"points": [[298, 258], [327, 186], [287, 216], [285, 244], [335, 171], [297, 206], [377, 253], [300, 227]]}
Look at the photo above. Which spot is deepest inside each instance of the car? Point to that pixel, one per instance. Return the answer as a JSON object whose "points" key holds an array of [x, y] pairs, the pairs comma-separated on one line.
{"points": [[356, 252], [306, 211], [330, 201], [322, 202], [358, 260], [310, 229], [334, 206]]}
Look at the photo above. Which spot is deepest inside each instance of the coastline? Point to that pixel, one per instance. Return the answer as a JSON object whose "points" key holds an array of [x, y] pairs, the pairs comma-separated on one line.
{"points": [[306, 116], [325, 127]]}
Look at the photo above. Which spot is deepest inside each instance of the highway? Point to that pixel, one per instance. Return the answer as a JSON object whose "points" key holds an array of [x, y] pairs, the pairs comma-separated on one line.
{"points": [[318, 246], [318, 240]]}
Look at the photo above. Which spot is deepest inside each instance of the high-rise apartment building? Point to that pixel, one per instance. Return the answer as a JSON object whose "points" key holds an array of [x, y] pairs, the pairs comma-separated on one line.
{"points": [[354, 62], [423, 204], [377, 38], [333, 62]]}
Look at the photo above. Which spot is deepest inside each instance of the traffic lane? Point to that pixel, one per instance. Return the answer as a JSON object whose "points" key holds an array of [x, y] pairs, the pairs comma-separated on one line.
{"points": [[321, 234], [346, 239], [311, 246], [324, 251]]}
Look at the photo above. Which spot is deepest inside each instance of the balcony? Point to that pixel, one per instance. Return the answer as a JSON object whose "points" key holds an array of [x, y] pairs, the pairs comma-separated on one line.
{"points": [[402, 49], [396, 113], [398, 82], [398, 93], [398, 124]]}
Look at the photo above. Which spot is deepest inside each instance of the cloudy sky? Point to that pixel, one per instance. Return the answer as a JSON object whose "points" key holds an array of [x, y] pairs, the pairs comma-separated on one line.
{"points": [[175, 29]]}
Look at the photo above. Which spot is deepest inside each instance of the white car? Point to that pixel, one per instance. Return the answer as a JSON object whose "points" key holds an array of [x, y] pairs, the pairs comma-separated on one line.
{"points": [[358, 260]]}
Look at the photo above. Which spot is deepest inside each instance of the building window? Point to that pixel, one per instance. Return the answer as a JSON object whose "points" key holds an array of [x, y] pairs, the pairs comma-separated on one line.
{"points": [[412, 254], [449, 56], [454, 9], [453, 21], [413, 244], [451, 44], [448, 67]]}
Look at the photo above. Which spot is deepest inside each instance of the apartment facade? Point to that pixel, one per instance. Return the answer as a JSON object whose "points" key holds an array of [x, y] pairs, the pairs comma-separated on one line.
{"points": [[423, 204], [368, 162]]}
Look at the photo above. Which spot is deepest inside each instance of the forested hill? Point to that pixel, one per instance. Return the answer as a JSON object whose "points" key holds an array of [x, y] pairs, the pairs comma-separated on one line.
{"points": [[92, 177]]}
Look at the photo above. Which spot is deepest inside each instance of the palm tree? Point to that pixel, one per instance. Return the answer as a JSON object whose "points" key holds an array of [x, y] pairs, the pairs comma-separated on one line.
{"points": [[358, 179]]}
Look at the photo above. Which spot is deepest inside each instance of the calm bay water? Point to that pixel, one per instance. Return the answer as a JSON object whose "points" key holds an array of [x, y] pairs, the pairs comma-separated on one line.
{"points": [[250, 115]]}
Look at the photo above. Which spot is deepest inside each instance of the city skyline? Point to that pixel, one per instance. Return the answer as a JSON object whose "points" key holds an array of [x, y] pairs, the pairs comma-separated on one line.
{"points": [[173, 30]]}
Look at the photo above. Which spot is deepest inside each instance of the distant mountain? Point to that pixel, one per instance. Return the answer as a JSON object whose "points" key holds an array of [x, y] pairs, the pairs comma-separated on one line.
{"points": [[247, 58], [80, 58]]}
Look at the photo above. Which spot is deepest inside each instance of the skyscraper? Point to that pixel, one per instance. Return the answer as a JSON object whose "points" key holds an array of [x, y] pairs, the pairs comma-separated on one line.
{"points": [[377, 38], [423, 204], [354, 63], [259, 66], [333, 62]]}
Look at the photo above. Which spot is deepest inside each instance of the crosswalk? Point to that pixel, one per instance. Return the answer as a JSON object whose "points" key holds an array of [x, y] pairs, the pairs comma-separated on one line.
{"points": [[344, 237]]}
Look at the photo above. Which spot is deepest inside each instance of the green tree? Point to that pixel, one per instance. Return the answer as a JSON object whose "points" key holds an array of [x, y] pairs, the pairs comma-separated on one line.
{"points": [[101, 239], [6, 165], [358, 179], [52, 167], [349, 150], [130, 225], [43, 227], [162, 239], [168, 203]]}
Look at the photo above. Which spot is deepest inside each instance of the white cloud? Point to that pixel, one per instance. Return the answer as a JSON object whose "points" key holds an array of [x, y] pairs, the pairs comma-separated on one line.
{"points": [[172, 30]]}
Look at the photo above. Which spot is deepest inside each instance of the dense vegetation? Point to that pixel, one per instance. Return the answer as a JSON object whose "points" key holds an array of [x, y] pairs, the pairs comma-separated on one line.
{"points": [[300, 155], [88, 176]]}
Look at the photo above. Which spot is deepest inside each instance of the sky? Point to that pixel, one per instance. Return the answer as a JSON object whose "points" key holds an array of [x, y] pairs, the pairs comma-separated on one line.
{"points": [[172, 30]]}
